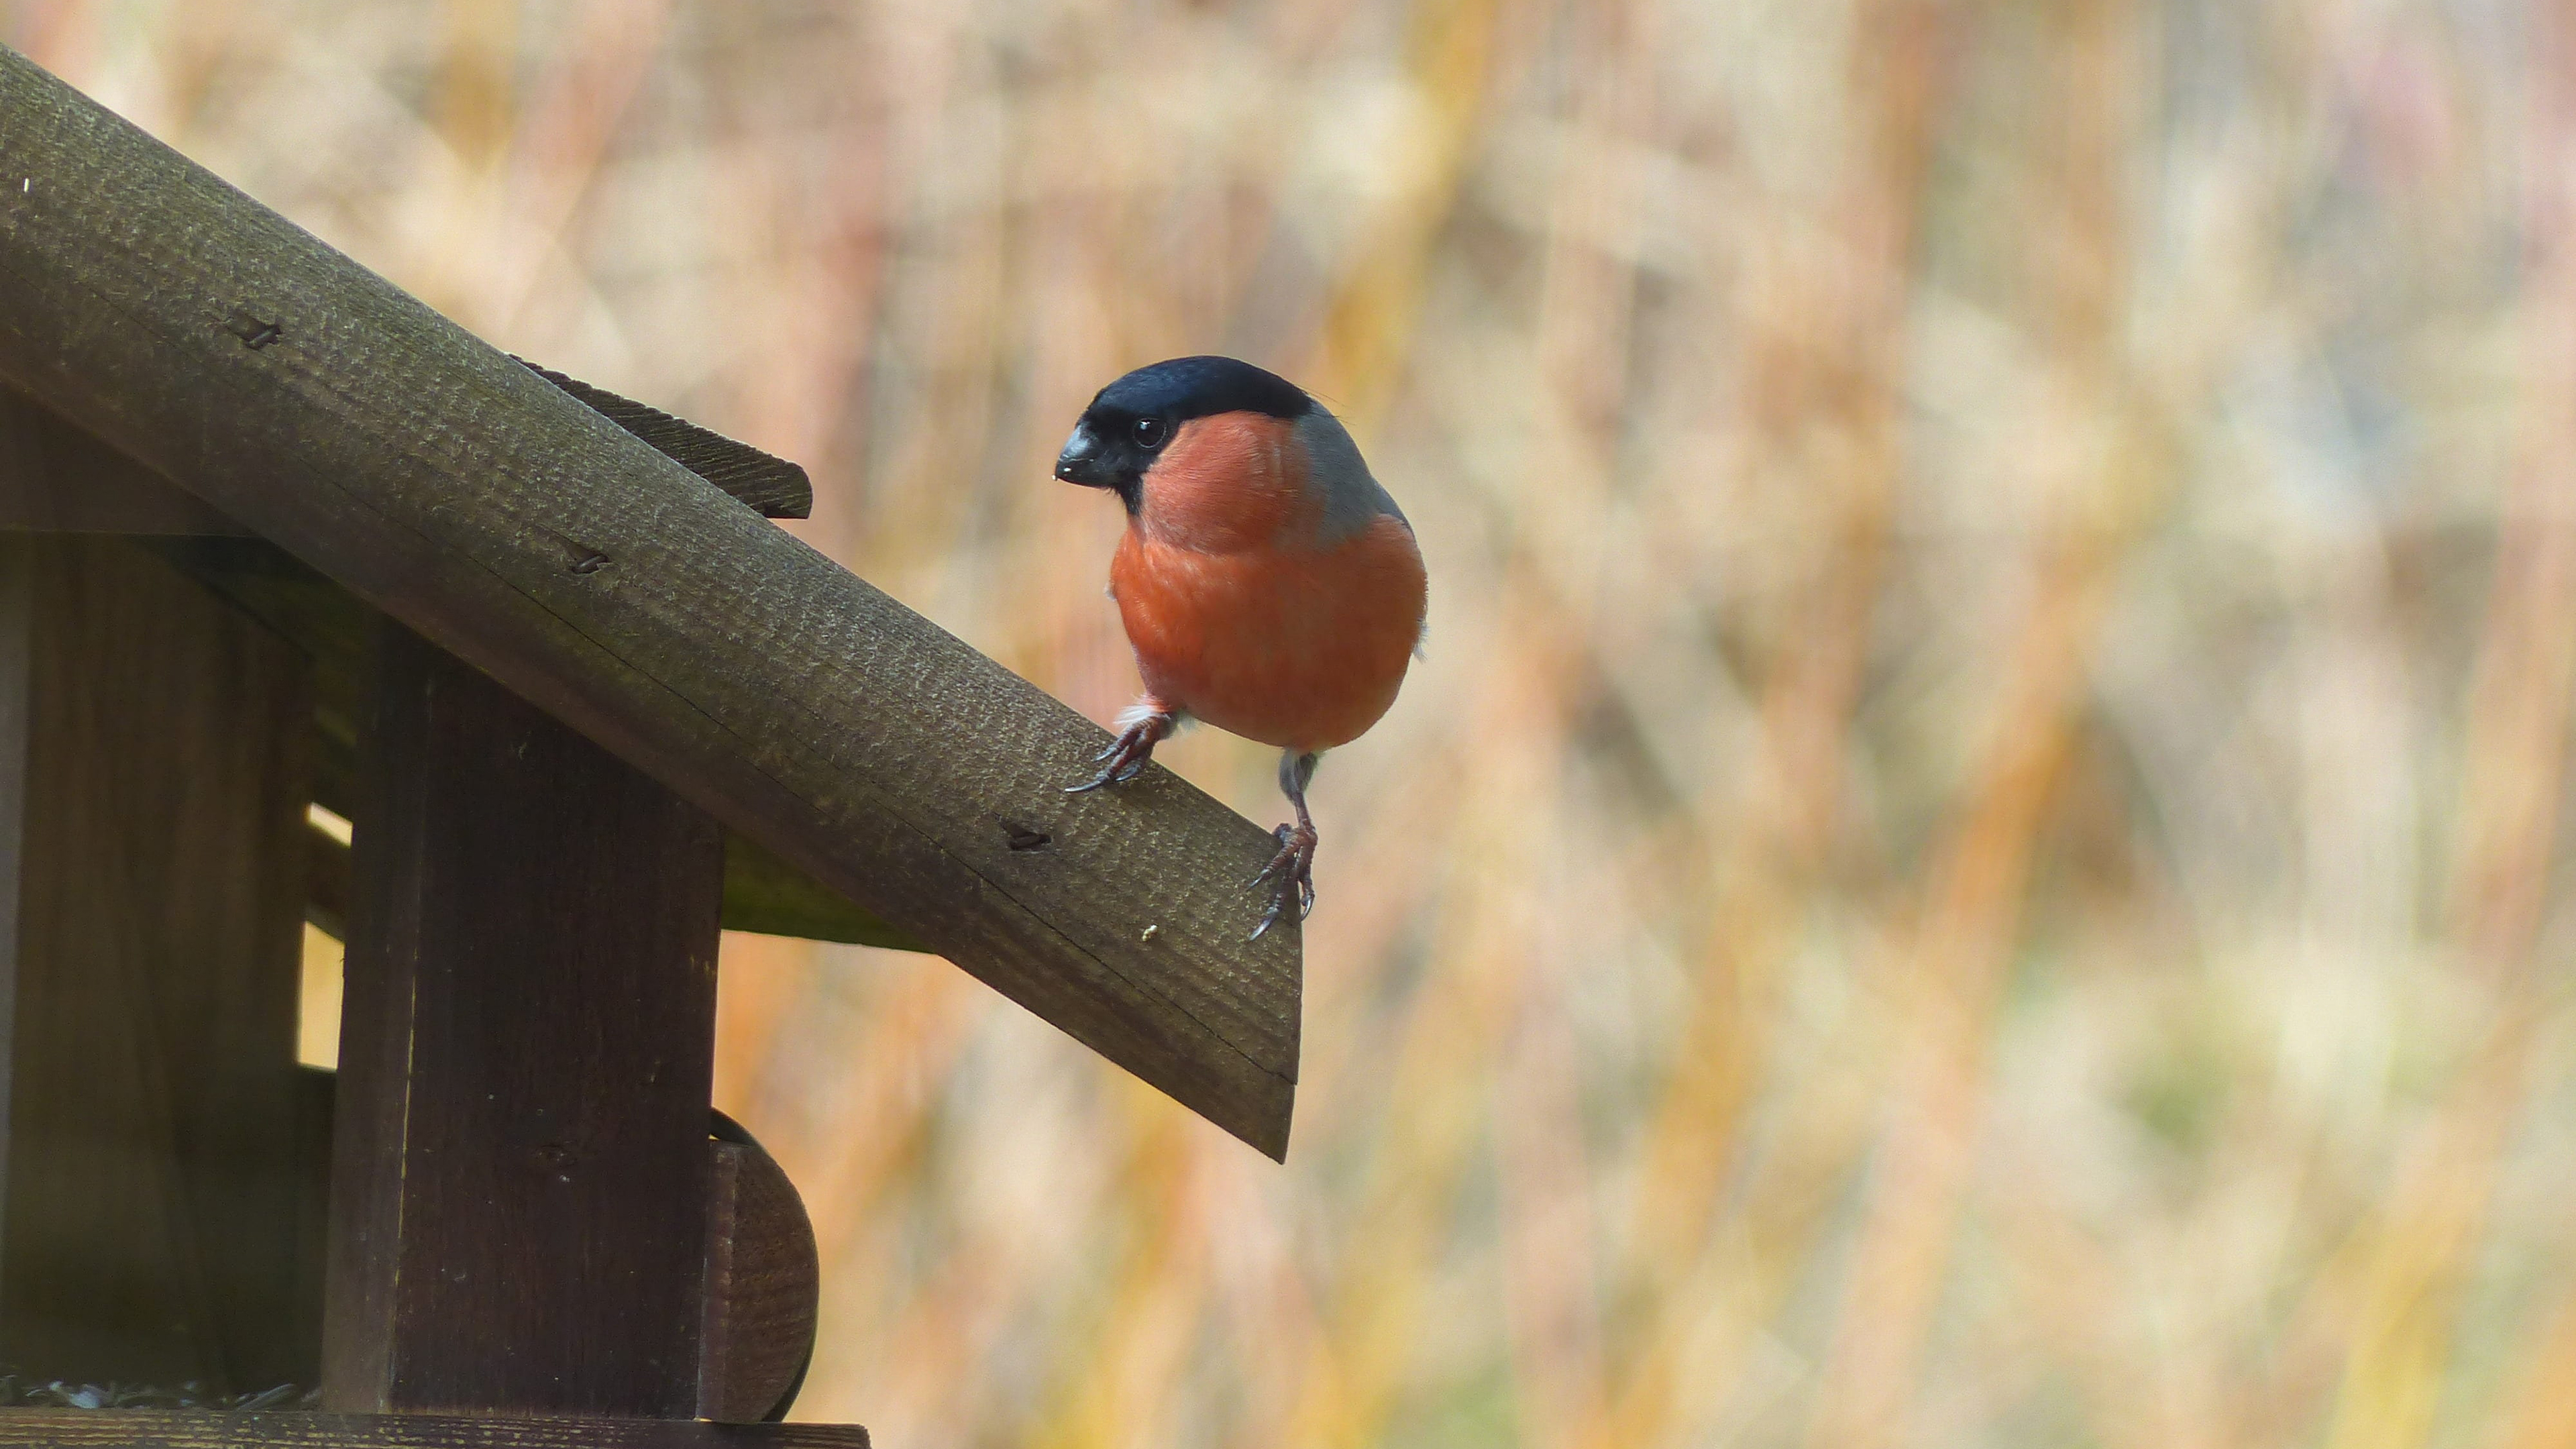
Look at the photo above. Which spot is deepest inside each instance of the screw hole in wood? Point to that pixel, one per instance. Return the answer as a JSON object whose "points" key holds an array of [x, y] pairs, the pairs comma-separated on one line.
{"points": [[254, 333]]}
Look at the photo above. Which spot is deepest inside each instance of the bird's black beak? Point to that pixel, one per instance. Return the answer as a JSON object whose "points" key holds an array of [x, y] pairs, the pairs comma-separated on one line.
{"points": [[1081, 461]]}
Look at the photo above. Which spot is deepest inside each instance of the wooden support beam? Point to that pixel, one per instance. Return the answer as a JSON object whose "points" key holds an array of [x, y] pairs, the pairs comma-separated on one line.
{"points": [[312, 401], [520, 1186], [269, 1429], [153, 774]]}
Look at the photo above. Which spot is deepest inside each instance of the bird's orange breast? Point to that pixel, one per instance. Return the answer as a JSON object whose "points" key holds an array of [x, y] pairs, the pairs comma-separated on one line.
{"points": [[1293, 642]]}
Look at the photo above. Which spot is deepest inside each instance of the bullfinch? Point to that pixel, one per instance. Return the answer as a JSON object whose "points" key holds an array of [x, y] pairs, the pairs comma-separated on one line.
{"points": [[1268, 585]]}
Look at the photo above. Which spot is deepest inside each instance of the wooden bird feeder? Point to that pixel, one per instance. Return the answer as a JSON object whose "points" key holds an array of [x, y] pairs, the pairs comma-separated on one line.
{"points": [[273, 533]]}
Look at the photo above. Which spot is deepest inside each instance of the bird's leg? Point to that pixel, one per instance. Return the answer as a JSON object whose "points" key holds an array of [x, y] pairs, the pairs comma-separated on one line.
{"points": [[1291, 872], [1134, 746]]}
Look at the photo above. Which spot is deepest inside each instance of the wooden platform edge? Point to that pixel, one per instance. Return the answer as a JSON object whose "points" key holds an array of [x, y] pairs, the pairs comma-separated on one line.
{"points": [[290, 1429]]}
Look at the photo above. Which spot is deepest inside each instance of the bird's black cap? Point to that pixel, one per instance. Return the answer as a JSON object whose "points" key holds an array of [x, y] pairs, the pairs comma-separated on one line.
{"points": [[1130, 420], [1199, 387]]}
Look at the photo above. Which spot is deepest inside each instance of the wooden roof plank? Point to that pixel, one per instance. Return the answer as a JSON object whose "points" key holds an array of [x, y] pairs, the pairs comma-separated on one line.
{"points": [[316, 403], [772, 485]]}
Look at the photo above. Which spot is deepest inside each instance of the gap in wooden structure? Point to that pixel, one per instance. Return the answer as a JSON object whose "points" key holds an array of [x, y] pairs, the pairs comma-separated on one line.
{"points": [[317, 1012]]}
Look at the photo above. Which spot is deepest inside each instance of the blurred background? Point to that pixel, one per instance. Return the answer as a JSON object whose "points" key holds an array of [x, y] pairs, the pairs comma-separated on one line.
{"points": [[1976, 858]]}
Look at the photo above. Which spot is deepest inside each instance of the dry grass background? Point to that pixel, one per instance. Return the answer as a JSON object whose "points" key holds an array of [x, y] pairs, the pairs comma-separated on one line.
{"points": [[1976, 857]]}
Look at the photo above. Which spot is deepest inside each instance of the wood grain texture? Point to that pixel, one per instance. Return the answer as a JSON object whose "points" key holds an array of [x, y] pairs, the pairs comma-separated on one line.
{"points": [[191, 1429], [314, 402], [158, 770], [764, 1285], [519, 1194], [772, 486]]}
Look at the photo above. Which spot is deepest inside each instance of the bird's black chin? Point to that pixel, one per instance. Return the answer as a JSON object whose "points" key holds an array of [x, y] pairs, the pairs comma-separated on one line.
{"points": [[1129, 488], [1090, 462]]}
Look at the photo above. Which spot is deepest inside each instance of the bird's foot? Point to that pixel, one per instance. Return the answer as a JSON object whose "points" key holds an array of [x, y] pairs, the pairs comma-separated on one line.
{"points": [[1128, 753], [1291, 874]]}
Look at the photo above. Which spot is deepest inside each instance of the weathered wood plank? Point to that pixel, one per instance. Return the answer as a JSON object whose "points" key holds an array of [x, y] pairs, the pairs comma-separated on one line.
{"points": [[519, 1195], [314, 402], [270, 1429], [157, 755]]}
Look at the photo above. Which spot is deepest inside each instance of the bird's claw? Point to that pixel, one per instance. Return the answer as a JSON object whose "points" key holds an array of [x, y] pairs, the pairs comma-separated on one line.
{"points": [[1126, 754], [1291, 874], [1117, 774]]}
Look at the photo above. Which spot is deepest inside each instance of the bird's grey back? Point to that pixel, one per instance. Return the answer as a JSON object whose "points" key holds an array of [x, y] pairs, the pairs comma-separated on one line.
{"points": [[1352, 497]]}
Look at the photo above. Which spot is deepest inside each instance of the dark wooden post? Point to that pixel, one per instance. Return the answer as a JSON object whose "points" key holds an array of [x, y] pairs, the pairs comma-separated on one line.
{"points": [[154, 751], [521, 1165]]}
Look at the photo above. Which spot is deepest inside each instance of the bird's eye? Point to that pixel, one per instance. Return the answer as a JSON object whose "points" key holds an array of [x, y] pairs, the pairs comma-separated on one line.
{"points": [[1149, 433]]}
